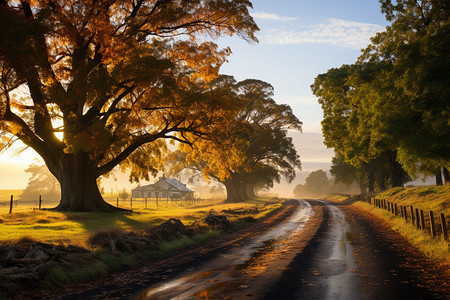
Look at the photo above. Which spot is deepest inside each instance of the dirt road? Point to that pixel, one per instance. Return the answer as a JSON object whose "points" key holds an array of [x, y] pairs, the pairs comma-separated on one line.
{"points": [[320, 251], [352, 256]]}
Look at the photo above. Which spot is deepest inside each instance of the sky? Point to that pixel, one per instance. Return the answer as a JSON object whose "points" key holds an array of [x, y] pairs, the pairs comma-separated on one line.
{"points": [[298, 40]]}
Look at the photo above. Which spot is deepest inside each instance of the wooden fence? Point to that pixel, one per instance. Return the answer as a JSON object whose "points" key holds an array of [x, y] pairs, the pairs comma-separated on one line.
{"points": [[14, 204], [435, 225]]}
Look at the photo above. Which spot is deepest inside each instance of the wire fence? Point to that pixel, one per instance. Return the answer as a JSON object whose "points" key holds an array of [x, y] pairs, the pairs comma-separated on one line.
{"points": [[14, 204]]}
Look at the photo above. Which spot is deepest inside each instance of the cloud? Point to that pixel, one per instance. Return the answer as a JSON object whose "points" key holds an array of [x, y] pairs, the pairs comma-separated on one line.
{"points": [[334, 32], [272, 17]]}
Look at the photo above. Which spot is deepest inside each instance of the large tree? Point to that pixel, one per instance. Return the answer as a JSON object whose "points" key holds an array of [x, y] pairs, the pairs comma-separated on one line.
{"points": [[393, 102], [254, 146], [90, 85], [351, 124]]}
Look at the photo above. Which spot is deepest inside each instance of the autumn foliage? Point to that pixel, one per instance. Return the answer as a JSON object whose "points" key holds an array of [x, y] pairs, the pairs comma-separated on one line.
{"points": [[90, 85]]}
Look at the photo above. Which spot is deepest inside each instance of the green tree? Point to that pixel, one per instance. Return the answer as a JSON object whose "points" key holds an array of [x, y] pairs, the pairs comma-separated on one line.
{"points": [[316, 182], [414, 51], [41, 183], [90, 85], [123, 195], [393, 102], [350, 124]]}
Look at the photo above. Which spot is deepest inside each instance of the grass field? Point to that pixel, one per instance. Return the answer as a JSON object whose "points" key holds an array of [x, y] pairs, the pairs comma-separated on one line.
{"points": [[75, 228], [435, 198]]}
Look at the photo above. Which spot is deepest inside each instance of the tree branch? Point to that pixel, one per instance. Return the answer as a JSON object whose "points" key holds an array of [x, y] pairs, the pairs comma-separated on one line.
{"points": [[139, 141]]}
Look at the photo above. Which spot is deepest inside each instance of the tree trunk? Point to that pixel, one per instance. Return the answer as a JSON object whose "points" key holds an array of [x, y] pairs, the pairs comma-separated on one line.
{"points": [[371, 180], [77, 176], [446, 175], [381, 180], [395, 170], [234, 191], [362, 184], [250, 189], [439, 178]]}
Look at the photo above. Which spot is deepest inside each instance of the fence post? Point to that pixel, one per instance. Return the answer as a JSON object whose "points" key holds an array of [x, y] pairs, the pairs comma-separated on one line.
{"points": [[145, 202], [405, 213], [444, 227], [11, 204], [117, 202], [422, 219], [433, 227], [412, 214], [40, 201], [417, 218], [131, 202]]}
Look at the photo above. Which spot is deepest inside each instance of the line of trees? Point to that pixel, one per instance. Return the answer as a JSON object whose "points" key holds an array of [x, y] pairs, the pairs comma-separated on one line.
{"points": [[387, 115], [317, 184]]}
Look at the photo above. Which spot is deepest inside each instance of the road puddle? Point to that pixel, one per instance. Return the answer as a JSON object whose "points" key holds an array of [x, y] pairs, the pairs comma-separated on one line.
{"points": [[218, 272]]}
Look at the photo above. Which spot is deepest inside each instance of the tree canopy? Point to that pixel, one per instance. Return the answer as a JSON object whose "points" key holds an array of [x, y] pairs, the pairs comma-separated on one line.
{"points": [[393, 102], [257, 133], [90, 85]]}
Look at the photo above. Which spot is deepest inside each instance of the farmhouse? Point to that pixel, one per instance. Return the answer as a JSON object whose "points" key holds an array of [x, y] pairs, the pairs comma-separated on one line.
{"points": [[164, 188]]}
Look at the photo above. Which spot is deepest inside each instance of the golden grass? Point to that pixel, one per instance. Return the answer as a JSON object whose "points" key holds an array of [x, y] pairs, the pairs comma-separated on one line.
{"points": [[426, 198], [74, 228], [336, 198]]}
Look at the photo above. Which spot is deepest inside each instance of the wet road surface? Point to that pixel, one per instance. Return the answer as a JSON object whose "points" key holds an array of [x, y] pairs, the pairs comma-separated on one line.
{"points": [[326, 269], [218, 272], [348, 259]]}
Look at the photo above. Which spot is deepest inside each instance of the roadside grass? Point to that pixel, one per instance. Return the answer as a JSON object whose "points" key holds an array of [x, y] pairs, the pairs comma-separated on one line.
{"points": [[74, 228], [435, 198], [426, 198], [59, 276], [109, 262]]}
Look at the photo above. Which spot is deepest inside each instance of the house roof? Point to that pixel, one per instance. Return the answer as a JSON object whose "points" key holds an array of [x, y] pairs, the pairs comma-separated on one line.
{"points": [[178, 185], [174, 185]]}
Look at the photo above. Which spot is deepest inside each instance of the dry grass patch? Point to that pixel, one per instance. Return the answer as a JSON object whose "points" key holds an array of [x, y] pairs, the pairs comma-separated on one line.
{"points": [[426, 198], [74, 228]]}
